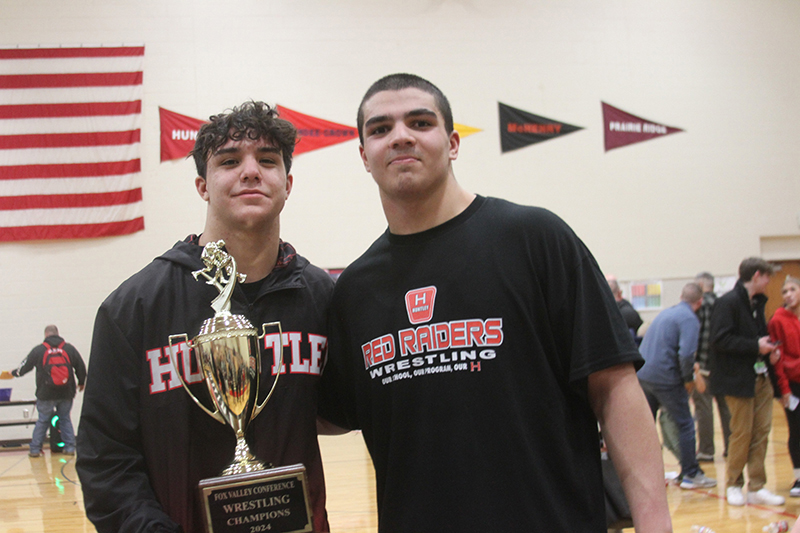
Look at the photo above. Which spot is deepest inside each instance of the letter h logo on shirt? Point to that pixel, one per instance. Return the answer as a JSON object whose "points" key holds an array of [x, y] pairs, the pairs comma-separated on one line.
{"points": [[419, 304]]}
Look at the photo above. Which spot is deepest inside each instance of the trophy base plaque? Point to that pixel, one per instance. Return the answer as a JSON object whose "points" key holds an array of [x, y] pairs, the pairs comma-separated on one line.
{"points": [[273, 500]]}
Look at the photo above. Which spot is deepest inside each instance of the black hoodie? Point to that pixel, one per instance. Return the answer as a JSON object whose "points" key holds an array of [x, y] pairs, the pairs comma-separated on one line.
{"points": [[143, 445], [45, 390]]}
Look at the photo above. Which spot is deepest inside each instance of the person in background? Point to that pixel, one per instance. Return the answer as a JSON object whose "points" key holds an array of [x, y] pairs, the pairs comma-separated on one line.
{"points": [[477, 345], [704, 399], [740, 350], [631, 315], [784, 328], [667, 376], [57, 364]]}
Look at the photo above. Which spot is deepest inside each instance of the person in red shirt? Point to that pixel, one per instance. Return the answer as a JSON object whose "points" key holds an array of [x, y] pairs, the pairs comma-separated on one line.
{"points": [[784, 327]]}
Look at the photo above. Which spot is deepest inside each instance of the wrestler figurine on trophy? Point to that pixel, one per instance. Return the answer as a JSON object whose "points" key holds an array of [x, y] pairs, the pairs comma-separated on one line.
{"points": [[248, 496]]}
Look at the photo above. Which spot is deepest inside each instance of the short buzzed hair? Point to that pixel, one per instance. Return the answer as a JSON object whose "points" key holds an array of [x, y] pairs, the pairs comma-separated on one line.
{"points": [[705, 280], [691, 293], [50, 331], [398, 82]]}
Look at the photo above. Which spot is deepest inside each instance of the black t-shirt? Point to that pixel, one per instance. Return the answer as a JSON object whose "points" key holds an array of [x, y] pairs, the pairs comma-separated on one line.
{"points": [[463, 353]]}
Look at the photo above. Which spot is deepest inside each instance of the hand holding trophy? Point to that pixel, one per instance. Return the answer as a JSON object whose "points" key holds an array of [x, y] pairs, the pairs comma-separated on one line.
{"points": [[248, 496]]}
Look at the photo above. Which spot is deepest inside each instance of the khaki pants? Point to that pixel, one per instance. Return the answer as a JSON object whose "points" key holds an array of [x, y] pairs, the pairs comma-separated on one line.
{"points": [[751, 421]]}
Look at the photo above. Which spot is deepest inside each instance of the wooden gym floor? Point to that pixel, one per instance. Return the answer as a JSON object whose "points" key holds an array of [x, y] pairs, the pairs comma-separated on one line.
{"points": [[43, 494]]}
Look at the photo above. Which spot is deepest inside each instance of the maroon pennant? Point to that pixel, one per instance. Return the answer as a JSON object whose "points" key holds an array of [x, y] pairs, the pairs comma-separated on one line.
{"points": [[622, 129]]}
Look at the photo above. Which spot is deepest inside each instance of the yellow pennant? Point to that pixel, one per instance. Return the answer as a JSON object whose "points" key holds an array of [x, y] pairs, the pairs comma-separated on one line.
{"points": [[465, 131]]}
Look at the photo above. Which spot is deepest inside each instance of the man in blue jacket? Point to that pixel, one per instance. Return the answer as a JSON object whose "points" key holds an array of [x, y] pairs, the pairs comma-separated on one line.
{"points": [[667, 376]]}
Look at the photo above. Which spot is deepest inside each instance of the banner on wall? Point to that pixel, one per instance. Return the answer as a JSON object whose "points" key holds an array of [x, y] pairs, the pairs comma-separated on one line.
{"points": [[464, 130], [622, 129], [179, 132], [519, 128], [316, 133], [70, 134]]}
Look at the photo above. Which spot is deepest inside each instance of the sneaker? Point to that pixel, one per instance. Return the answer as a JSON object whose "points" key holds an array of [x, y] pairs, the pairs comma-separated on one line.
{"points": [[794, 492], [698, 481], [705, 457], [765, 497], [34, 454], [735, 496]]}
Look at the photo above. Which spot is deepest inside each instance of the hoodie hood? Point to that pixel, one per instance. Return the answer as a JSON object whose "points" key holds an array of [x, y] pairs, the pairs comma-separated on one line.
{"points": [[287, 273]]}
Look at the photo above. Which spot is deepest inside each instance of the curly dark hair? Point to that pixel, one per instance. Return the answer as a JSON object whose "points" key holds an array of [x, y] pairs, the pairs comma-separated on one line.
{"points": [[252, 120]]}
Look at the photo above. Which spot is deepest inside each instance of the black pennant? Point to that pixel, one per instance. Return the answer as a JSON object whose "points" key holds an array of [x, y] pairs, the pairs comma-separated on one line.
{"points": [[519, 129]]}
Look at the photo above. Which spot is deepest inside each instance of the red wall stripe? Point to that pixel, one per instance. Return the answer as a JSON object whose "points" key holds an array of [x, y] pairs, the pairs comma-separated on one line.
{"points": [[60, 201], [71, 231], [52, 53], [88, 79], [71, 170], [69, 140], [90, 109]]}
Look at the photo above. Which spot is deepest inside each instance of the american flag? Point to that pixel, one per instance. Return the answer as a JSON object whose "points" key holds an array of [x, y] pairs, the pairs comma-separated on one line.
{"points": [[70, 131]]}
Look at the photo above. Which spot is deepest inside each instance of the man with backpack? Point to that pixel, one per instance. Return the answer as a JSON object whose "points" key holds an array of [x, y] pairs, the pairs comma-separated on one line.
{"points": [[57, 364]]}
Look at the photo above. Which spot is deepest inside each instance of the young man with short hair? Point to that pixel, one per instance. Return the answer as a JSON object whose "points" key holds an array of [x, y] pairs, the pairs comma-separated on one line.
{"points": [[143, 444], [475, 345], [740, 350]]}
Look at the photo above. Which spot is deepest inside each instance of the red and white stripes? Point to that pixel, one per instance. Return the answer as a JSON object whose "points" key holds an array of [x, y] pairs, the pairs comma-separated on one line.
{"points": [[70, 137]]}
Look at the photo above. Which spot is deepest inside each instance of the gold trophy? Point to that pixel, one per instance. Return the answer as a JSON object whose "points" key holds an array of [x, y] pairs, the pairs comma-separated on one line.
{"points": [[248, 496]]}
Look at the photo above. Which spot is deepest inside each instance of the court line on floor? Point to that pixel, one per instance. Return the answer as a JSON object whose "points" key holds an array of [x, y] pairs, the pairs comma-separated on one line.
{"points": [[4, 472], [754, 506]]}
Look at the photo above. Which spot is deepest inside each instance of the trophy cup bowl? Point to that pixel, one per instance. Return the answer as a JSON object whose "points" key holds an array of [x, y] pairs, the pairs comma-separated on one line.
{"points": [[227, 351]]}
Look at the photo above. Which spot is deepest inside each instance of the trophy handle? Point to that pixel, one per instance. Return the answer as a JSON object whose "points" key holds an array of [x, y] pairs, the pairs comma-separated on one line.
{"points": [[257, 409], [216, 415]]}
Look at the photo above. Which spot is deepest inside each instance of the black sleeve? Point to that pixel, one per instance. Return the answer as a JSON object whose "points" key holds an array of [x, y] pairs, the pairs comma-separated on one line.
{"points": [[336, 397], [598, 336], [28, 364], [110, 462], [78, 365]]}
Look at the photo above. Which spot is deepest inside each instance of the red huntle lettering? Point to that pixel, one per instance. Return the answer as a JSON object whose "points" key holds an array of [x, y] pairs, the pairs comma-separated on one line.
{"points": [[291, 344], [162, 375], [293, 356]]}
